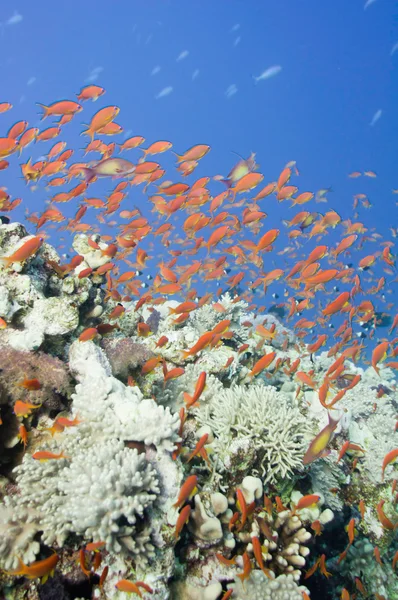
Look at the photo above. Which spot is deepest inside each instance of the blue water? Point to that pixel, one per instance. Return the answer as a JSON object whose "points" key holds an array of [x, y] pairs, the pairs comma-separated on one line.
{"points": [[336, 73]]}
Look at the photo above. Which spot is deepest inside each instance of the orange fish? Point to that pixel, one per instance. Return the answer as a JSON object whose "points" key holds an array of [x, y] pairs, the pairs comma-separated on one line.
{"points": [[88, 334], [257, 550], [267, 239], [200, 446], [30, 384], [389, 458], [23, 409], [384, 520], [23, 435], [25, 251], [43, 455], [124, 585], [4, 106], [262, 364], [182, 520], [195, 153], [7, 146], [90, 92], [246, 567], [48, 134], [202, 343], [342, 301], [187, 490], [379, 354], [39, 569], [65, 107], [199, 387], [306, 501], [100, 119]]}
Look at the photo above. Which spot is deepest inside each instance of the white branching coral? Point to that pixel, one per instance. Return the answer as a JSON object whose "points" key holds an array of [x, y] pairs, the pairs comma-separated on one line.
{"points": [[258, 587], [264, 417], [102, 489], [97, 492], [112, 410], [17, 533]]}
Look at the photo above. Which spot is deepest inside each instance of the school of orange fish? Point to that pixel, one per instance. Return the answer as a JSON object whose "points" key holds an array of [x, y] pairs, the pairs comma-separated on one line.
{"points": [[219, 240]]}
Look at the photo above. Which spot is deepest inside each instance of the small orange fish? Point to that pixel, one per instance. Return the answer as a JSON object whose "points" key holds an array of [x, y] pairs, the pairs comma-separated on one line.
{"points": [[247, 567], [124, 585], [306, 501], [379, 354], [65, 107], [30, 384], [150, 365], [390, 457], [384, 520], [199, 446], [43, 455], [202, 343], [262, 364], [88, 334], [23, 409], [23, 435], [225, 561], [65, 422], [41, 568], [27, 250], [317, 527], [376, 552], [259, 556], [187, 490], [182, 520], [94, 546]]}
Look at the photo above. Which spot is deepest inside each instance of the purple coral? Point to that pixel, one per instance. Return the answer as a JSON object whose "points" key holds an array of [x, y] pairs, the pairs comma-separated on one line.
{"points": [[125, 355], [52, 373]]}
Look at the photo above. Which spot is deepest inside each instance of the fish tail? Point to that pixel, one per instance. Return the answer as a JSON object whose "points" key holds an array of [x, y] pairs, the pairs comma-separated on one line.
{"points": [[5, 261], [20, 570], [89, 132], [45, 109], [188, 399], [179, 156]]}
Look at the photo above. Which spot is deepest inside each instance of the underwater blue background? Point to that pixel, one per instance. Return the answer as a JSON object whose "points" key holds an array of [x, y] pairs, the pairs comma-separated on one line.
{"points": [[339, 67]]}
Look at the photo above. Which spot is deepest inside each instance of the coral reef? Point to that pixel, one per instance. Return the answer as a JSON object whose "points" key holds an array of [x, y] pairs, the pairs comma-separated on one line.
{"points": [[120, 444]]}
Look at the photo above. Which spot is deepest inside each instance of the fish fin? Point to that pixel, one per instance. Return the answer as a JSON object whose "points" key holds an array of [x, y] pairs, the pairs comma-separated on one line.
{"points": [[187, 398], [45, 109], [4, 261]]}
